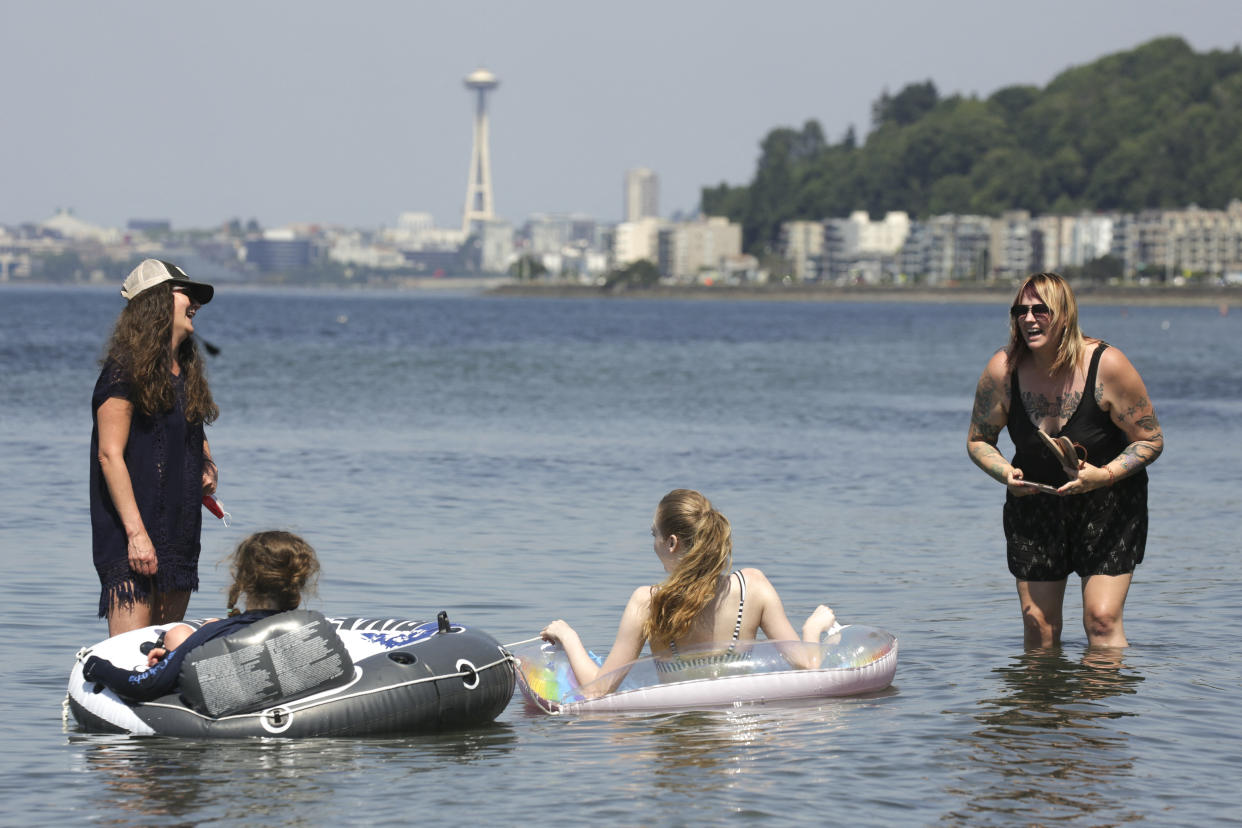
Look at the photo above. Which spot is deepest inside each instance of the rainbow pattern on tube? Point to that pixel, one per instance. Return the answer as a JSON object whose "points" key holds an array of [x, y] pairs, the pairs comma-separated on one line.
{"points": [[544, 674]]}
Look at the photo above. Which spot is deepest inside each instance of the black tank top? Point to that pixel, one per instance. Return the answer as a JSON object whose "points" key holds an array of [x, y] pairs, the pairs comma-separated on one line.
{"points": [[1088, 426]]}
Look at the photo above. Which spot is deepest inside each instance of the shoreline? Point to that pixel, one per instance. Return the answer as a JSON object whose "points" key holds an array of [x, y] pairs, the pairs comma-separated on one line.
{"points": [[1219, 296], [1215, 296]]}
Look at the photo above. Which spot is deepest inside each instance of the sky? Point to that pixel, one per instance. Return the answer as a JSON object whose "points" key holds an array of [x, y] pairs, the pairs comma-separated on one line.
{"points": [[336, 113]]}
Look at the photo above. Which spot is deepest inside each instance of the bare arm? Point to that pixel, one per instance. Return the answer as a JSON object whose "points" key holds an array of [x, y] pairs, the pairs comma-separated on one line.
{"points": [[114, 417], [1120, 391], [988, 417], [626, 648], [775, 623], [211, 474]]}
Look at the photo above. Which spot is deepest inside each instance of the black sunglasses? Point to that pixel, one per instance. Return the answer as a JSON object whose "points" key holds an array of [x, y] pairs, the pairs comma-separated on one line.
{"points": [[1019, 311]]}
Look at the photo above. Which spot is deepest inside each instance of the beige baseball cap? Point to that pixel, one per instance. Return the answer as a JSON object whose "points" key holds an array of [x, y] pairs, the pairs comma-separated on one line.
{"points": [[152, 272]]}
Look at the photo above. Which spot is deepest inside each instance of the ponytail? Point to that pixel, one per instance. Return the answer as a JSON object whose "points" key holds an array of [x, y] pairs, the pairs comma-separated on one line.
{"points": [[706, 536]]}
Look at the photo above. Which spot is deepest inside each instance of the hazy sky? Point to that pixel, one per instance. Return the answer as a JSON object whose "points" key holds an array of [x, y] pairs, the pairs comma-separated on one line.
{"points": [[351, 113]]}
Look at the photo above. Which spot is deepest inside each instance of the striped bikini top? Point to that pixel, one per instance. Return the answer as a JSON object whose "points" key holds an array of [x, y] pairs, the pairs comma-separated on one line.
{"points": [[679, 663]]}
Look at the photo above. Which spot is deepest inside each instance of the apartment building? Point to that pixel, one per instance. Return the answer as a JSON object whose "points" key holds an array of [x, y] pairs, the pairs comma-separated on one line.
{"points": [[690, 250]]}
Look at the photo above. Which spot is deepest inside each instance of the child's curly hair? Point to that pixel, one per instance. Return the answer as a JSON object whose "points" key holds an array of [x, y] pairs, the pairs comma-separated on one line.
{"points": [[273, 568]]}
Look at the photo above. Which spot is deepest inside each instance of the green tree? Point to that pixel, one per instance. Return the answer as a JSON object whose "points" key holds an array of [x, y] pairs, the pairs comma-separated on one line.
{"points": [[1156, 126], [528, 267], [640, 274]]}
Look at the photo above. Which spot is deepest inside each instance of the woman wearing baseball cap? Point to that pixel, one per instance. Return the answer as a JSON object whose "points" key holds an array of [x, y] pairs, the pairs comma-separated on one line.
{"points": [[150, 462]]}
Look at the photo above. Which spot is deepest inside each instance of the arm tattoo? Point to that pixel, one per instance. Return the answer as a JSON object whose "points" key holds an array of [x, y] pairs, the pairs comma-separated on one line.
{"points": [[1138, 455], [1139, 406], [986, 432], [983, 434], [985, 401]]}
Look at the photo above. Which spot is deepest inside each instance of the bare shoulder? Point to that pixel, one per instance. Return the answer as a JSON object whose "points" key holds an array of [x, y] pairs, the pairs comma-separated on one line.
{"points": [[995, 382], [1114, 364], [756, 580], [997, 368], [641, 597]]}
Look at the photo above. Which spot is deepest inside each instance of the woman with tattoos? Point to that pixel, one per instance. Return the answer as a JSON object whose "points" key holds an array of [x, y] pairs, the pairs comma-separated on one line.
{"points": [[1085, 513]]}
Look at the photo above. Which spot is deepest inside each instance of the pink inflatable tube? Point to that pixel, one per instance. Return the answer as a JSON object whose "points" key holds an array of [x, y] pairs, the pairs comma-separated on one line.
{"points": [[853, 660]]}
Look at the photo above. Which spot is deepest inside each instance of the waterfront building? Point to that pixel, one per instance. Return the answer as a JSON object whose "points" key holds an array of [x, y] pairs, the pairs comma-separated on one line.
{"points": [[802, 244], [694, 250], [14, 256], [642, 194], [1011, 246], [553, 232], [1139, 240], [417, 231], [857, 250], [496, 250], [357, 250], [278, 251], [1204, 241], [633, 241], [952, 248], [1091, 238], [65, 224]]}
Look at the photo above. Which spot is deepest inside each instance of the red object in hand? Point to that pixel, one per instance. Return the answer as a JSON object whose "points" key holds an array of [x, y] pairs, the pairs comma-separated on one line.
{"points": [[213, 506]]}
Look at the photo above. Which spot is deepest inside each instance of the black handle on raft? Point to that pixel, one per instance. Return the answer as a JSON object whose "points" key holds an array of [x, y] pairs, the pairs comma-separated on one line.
{"points": [[442, 620]]}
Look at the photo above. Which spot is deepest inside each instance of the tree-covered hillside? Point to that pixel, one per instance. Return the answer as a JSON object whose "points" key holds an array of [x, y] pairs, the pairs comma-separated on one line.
{"points": [[1158, 126]]}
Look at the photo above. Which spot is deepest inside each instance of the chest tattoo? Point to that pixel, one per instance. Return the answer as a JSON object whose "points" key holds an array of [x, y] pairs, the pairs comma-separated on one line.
{"points": [[1040, 407]]}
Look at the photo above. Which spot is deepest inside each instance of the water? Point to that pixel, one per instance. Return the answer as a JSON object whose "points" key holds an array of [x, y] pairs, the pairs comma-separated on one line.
{"points": [[500, 459]]}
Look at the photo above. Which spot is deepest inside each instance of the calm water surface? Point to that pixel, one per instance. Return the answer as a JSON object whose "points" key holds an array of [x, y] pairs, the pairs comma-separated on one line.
{"points": [[500, 459]]}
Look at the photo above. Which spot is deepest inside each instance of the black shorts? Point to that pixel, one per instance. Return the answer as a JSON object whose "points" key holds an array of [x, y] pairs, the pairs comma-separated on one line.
{"points": [[1102, 532]]}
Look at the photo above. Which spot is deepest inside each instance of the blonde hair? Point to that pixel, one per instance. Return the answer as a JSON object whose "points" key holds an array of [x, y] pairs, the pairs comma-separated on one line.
{"points": [[707, 538], [1056, 293], [273, 568]]}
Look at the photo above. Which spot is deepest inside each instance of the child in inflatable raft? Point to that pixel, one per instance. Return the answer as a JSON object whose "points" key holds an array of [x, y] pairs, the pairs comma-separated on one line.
{"points": [[271, 569], [701, 602]]}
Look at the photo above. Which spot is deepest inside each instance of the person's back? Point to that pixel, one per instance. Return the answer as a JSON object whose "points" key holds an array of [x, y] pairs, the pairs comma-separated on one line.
{"points": [[700, 605]]}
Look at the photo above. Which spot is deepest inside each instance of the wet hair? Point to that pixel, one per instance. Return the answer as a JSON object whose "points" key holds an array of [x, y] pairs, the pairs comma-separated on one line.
{"points": [[1056, 293], [139, 346], [274, 569], [707, 539]]}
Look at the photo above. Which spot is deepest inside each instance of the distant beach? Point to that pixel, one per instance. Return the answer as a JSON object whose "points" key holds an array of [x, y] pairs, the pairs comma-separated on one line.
{"points": [[1147, 295]]}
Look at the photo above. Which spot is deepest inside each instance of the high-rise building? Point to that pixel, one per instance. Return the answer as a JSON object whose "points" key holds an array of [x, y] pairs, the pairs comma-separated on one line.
{"points": [[642, 194]]}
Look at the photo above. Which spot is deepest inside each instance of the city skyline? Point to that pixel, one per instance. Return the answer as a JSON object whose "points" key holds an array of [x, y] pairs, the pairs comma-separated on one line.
{"points": [[296, 113]]}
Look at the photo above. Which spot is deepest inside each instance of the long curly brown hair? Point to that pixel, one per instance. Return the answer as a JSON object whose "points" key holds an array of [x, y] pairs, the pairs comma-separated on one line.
{"points": [[273, 569], [708, 540], [139, 345]]}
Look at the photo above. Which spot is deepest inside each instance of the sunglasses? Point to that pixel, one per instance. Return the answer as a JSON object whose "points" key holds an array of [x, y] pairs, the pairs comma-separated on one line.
{"points": [[1040, 310]]}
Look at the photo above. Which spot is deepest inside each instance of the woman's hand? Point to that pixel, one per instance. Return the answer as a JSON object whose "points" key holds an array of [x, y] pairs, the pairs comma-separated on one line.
{"points": [[142, 554], [558, 632], [1017, 486], [155, 656], [211, 476], [1089, 479], [818, 622]]}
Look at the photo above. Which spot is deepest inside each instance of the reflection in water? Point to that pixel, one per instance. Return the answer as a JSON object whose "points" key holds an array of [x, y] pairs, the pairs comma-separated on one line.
{"points": [[692, 752], [155, 779], [1047, 749]]}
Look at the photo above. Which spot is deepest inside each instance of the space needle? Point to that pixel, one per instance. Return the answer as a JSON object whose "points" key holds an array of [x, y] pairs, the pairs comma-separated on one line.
{"points": [[479, 183]]}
